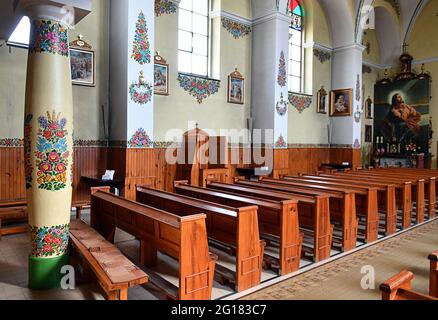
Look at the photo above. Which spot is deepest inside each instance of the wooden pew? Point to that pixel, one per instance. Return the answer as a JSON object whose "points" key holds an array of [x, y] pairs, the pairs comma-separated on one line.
{"points": [[236, 227], [417, 188], [113, 271], [433, 290], [430, 179], [342, 206], [366, 201], [386, 197], [12, 212], [183, 238], [276, 218], [399, 288], [403, 193]]}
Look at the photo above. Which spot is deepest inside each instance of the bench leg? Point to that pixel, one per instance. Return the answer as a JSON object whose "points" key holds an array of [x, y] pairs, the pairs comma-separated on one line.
{"points": [[112, 295], [123, 294], [78, 212], [148, 254]]}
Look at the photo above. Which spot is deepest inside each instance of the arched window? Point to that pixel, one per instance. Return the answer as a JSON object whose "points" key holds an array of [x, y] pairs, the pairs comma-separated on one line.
{"points": [[296, 65], [193, 37]]}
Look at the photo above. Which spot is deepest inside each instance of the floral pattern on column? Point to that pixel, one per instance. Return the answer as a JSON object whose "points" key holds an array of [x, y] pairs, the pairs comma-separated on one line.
{"points": [[200, 88], [49, 241], [237, 30], [48, 36], [300, 102], [281, 144], [28, 168], [164, 7], [140, 93], [356, 144], [141, 51], [52, 154], [281, 79], [140, 139]]}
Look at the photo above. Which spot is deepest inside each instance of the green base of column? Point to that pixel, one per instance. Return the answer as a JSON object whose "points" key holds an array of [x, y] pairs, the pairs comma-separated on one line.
{"points": [[45, 274]]}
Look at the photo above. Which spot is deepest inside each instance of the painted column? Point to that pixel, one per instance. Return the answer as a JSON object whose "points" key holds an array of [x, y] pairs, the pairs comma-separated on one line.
{"points": [[48, 144], [269, 69], [347, 74]]}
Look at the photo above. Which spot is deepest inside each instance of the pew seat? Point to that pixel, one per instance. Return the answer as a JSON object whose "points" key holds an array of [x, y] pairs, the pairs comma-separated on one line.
{"points": [[114, 272], [12, 212], [399, 287]]}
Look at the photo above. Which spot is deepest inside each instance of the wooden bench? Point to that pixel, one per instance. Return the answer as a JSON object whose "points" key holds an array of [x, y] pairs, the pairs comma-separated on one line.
{"points": [[182, 238], [429, 176], [236, 227], [385, 196], [399, 287], [313, 214], [342, 207], [433, 290], [13, 212], [403, 193], [417, 190], [114, 272]]}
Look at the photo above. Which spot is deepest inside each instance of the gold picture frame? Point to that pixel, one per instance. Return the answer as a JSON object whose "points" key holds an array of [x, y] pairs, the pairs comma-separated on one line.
{"points": [[161, 75], [341, 102], [82, 63], [236, 88]]}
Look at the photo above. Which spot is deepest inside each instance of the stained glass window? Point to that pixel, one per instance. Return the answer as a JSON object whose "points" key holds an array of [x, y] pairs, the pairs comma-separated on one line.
{"points": [[296, 67]]}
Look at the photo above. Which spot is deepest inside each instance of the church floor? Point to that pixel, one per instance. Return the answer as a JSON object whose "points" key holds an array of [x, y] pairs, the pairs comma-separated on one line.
{"points": [[341, 279]]}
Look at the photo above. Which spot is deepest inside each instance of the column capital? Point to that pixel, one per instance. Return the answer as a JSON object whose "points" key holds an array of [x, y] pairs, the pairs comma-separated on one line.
{"points": [[66, 11], [353, 46]]}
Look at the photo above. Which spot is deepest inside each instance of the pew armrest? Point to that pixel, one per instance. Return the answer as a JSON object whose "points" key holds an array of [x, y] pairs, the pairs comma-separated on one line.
{"points": [[401, 281], [180, 182], [434, 256]]}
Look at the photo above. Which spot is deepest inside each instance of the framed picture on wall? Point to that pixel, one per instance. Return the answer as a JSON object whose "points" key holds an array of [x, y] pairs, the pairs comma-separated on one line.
{"points": [[161, 76], [368, 133], [236, 88], [341, 102], [369, 108], [322, 101], [82, 62]]}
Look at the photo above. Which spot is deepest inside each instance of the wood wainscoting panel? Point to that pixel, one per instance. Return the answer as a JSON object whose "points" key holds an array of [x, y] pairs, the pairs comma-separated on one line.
{"points": [[12, 177]]}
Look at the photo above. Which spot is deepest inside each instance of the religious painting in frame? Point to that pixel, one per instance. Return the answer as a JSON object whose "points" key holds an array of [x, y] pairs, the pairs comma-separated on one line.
{"points": [[322, 101], [236, 88], [82, 62], [368, 134], [368, 108], [341, 102], [161, 76]]}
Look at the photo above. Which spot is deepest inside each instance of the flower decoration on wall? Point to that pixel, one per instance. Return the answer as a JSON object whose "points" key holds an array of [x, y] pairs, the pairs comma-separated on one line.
{"points": [[164, 7], [28, 169], [11, 142], [48, 36], [141, 92], [49, 241], [300, 102], [281, 79], [141, 51], [200, 88], [322, 56], [237, 29], [282, 106], [281, 144], [356, 144], [140, 139], [52, 153]]}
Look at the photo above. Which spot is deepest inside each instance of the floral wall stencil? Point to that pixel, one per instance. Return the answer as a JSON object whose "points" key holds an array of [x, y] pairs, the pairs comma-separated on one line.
{"points": [[141, 51], [200, 88], [49, 241], [299, 101], [164, 7], [51, 153], [281, 79], [141, 92], [322, 56], [140, 139], [281, 144], [28, 168], [11, 142], [356, 144], [49, 37], [237, 29]]}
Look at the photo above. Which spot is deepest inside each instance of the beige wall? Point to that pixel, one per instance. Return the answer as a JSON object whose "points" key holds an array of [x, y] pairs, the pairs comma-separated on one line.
{"points": [[87, 101], [174, 111]]}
